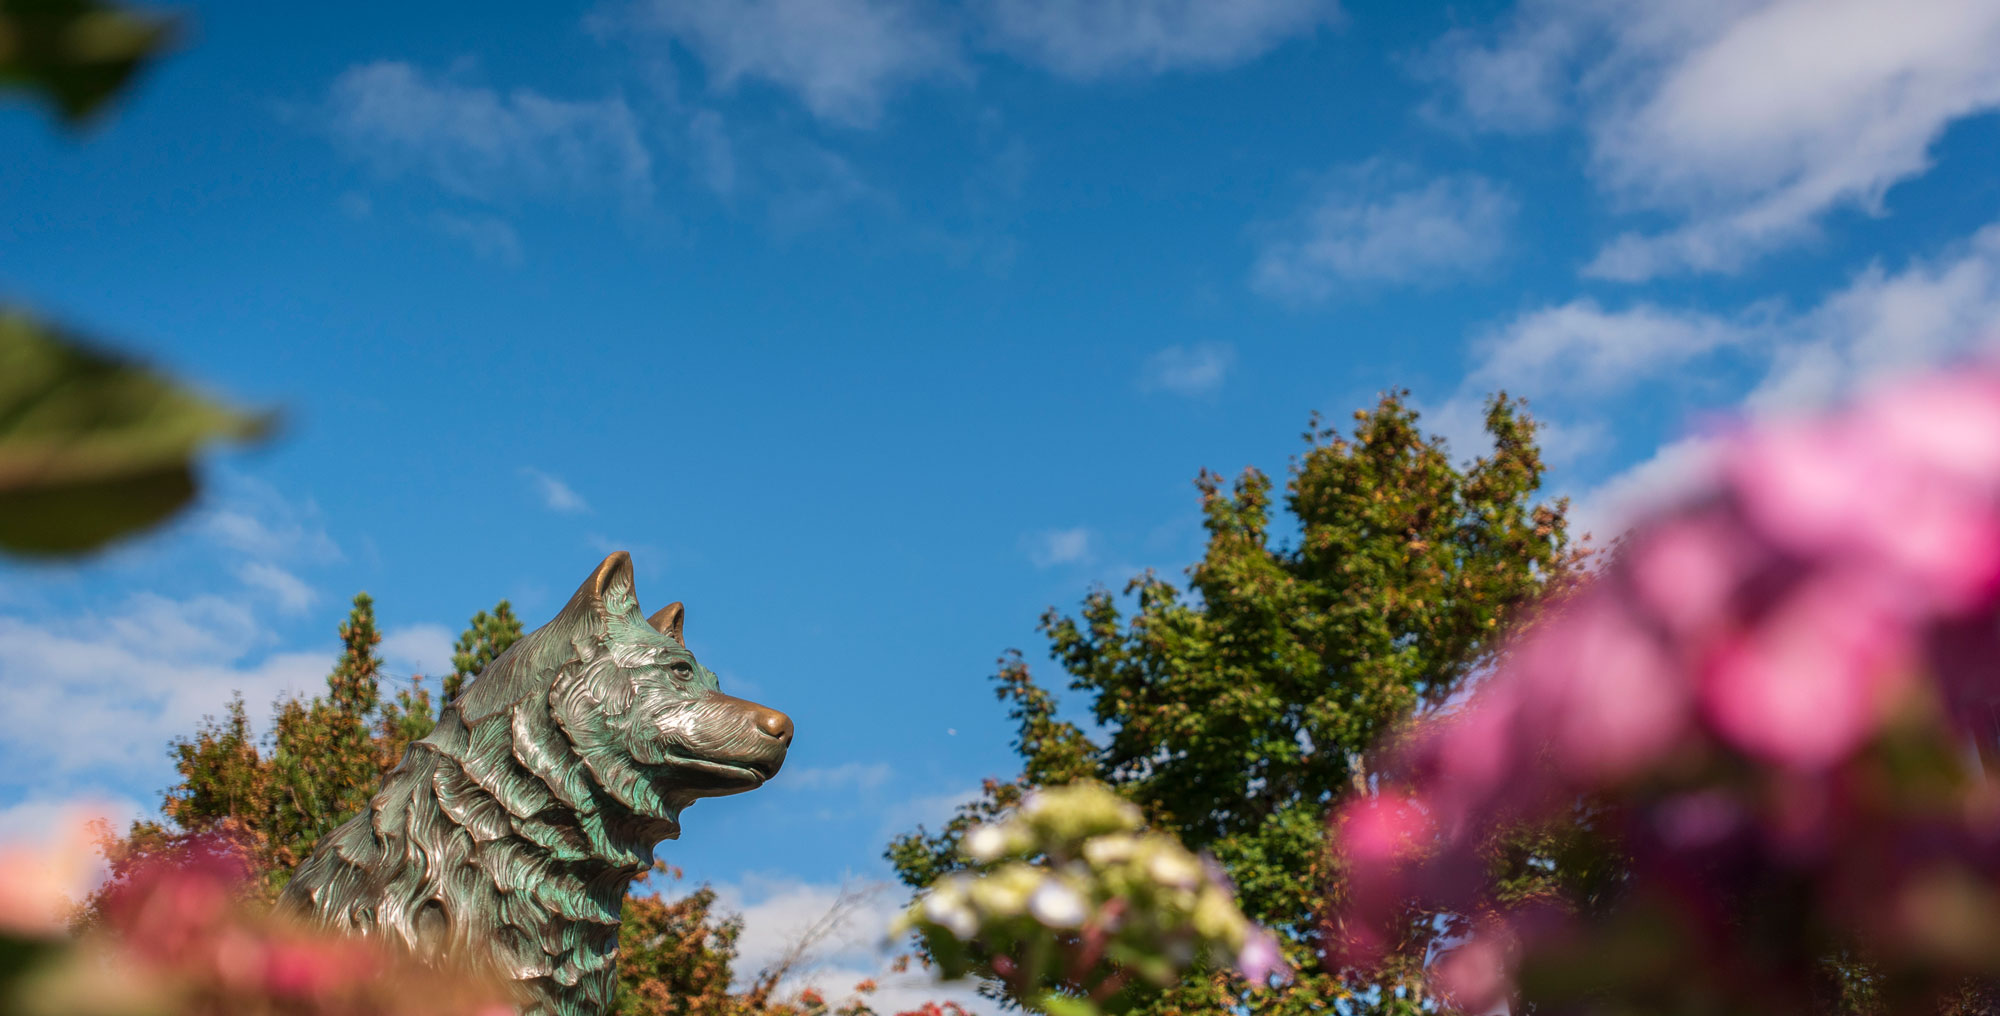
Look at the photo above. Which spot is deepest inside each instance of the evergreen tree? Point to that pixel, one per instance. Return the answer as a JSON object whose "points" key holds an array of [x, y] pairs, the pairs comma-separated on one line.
{"points": [[403, 720], [484, 639], [1238, 713], [324, 758]]}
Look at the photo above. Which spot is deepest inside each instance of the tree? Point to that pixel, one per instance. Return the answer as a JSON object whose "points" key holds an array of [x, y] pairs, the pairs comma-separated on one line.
{"points": [[323, 759], [484, 639], [325, 763], [1237, 714]]}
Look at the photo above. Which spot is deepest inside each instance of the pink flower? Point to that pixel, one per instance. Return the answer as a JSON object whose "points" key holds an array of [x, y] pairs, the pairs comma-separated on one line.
{"points": [[1685, 571], [1906, 484], [1813, 677], [1605, 692], [1698, 820], [308, 969], [1381, 831], [1722, 696], [1260, 959], [1471, 974]]}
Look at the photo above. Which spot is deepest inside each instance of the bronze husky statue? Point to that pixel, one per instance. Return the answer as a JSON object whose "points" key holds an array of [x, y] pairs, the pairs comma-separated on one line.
{"points": [[510, 834]]}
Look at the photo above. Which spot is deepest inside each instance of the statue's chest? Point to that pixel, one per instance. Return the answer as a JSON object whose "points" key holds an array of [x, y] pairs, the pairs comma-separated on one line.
{"points": [[583, 987]]}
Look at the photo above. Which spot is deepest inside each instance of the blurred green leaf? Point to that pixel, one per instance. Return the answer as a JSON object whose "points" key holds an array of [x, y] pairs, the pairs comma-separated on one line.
{"points": [[93, 447], [76, 53], [1066, 1005]]}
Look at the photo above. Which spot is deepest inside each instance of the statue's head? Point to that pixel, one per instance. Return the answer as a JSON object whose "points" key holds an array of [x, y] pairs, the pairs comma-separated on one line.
{"points": [[645, 719]]}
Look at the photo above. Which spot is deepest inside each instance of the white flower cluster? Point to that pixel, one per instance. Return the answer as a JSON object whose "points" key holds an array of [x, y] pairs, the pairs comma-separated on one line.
{"points": [[1072, 885]]}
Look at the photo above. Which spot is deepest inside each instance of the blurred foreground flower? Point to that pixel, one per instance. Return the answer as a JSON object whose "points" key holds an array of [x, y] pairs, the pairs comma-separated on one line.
{"points": [[1068, 900], [1769, 703], [175, 937]]}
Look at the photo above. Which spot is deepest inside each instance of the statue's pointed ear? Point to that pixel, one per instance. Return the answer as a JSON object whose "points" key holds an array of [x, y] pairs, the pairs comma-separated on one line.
{"points": [[611, 581], [668, 620]]}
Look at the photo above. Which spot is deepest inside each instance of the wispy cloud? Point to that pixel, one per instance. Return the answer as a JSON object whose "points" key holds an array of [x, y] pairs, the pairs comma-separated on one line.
{"points": [[291, 593], [35, 819], [488, 236], [130, 681], [846, 59], [477, 142], [418, 649], [1579, 347], [1671, 474], [841, 57], [253, 518], [1376, 224], [852, 917], [1879, 325], [1059, 546], [556, 495], [846, 776], [1747, 122], [1580, 353], [1188, 370], [1087, 40]]}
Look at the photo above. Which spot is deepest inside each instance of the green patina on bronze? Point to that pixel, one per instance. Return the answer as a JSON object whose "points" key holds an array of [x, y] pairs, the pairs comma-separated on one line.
{"points": [[510, 834]]}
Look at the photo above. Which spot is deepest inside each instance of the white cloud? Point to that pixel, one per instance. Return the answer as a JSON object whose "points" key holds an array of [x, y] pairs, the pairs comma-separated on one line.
{"points": [[1748, 121], [476, 142], [931, 811], [95, 693], [105, 693], [842, 57], [1579, 347], [1188, 370], [1675, 472], [1516, 84], [1878, 326], [418, 649], [1371, 224], [777, 911], [1091, 39], [1885, 324], [253, 518], [854, 775], [556, 495], [489, 236], [1059, 546], [713, 153], [291, 593], [36, 819], [1575, 352]]}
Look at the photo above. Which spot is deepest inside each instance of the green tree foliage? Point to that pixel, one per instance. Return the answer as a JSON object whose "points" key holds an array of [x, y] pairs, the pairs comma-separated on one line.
{"points": [[324, 756], [484, 639], [676, 956], [1238, 712], [325, 764]]}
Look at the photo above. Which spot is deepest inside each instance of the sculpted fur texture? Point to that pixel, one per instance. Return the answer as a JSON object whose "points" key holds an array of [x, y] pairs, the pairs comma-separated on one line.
{"points": [[510, 834]]}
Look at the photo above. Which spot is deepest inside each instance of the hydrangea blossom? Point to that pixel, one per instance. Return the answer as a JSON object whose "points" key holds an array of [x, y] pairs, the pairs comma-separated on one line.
{"points": [[1073, 904], [1771, 692]]}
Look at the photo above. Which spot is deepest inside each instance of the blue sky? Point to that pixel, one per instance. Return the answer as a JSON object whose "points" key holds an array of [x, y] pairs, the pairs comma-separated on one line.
{"points": [[874, 327]]}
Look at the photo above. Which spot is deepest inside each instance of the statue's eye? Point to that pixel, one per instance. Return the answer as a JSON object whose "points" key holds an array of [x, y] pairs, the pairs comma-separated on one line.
{"points": [[682, 669]]}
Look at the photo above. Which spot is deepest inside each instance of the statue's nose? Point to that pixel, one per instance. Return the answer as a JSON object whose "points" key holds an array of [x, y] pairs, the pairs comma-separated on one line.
{"points": [[777, 725]]}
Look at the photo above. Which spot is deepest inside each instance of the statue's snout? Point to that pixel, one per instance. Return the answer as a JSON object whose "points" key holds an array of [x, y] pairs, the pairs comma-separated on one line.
{"points": [[775, 724], [764, 734]]}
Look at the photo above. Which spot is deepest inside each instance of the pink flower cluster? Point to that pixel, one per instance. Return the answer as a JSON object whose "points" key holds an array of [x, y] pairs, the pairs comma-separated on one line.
{"points": [[1780, 682], [177, 936]]}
